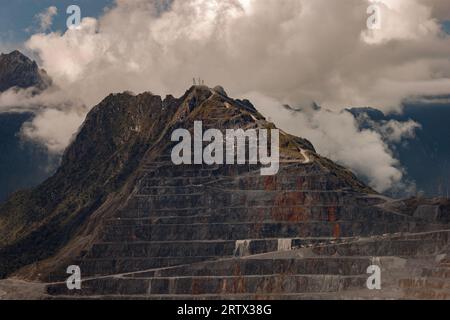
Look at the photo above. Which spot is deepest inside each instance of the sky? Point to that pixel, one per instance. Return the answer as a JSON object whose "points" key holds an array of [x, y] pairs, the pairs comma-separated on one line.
{"points": [[295, 52]]}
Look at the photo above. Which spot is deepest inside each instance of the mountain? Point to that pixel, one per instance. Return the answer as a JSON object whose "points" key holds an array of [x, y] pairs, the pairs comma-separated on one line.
{"points": [[426, 156], [18, 71], [140, 226], [107, 150], [23, 164]]}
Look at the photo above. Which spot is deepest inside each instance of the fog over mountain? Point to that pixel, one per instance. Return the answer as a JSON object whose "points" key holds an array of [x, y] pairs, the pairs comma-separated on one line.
{"points": [[426, 157]]}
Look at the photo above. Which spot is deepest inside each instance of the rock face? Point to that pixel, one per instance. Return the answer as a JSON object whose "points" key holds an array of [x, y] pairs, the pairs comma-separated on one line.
{"points": [[17, 70], [34, 224], [141, 227]]}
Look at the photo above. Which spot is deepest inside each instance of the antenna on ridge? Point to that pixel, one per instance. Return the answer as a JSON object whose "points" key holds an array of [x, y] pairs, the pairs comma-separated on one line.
{"points": [[198, 81]]}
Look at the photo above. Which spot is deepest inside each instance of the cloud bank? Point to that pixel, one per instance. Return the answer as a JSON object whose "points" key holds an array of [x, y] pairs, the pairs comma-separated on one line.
{"points": [[292, 51], [337, 135], [58, 115]]}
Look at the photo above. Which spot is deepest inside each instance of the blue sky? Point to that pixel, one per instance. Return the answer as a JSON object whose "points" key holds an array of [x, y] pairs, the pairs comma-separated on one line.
{"points": [[16, 16]]}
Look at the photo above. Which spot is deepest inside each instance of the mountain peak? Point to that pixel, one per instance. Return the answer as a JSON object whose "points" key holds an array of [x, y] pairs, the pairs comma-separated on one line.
{"points": [[17, 70], [16, 54]]}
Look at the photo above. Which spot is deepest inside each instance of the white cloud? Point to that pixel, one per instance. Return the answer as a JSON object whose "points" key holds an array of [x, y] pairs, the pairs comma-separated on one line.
{"points": [[293, 50], [45, 18], [440, 8], [336, 135], [394, 26], [54, 128], [394, 131]]}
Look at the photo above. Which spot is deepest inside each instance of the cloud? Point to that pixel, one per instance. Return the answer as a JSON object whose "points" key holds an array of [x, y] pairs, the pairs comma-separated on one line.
{"points": [[6, 45], [394, 131], [54, 128], [293, 51], [337, 135], [45, 18]]}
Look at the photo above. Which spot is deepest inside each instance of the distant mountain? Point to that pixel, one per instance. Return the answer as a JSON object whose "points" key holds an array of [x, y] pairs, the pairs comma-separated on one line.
{"points": [[17, 70], [426, 157], [23, 164]]}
